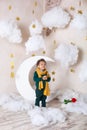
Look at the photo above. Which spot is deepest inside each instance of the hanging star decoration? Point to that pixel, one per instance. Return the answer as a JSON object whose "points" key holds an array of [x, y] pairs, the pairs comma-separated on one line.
{"points": [[80, 3], [53, 72], [54, 42], [44, 52], [80, 12], [73, 100], [86, 38], [18, 18], [72, 8], [53, 79], [12, 66], [9, 7], [33, 54], [11, 55], [72, 70], [35, 3], [12, 74], [32, 11]]}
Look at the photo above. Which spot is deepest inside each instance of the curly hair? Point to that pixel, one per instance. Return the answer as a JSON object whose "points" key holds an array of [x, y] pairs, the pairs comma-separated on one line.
{"points": [[40, 61]]}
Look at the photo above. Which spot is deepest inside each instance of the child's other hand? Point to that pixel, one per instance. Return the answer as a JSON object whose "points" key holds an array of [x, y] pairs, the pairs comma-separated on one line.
{"points": [[44, 78]]}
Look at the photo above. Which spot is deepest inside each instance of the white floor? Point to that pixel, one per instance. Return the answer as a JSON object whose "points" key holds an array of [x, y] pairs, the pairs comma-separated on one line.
{"points": [[20, 121]]}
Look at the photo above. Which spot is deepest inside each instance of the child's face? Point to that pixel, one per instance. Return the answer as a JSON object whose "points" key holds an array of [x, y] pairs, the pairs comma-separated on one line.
{"points": [[42, 65]]}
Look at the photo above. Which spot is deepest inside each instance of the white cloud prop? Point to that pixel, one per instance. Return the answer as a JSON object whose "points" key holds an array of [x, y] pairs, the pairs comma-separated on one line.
{"points": [[67, 54], [10, 30], [80, 106], [35, 43], [79, 21], [35, 28], [46, 116], [55, 17], [39, 116], [83, 72], [14, 103], [67, 94]]}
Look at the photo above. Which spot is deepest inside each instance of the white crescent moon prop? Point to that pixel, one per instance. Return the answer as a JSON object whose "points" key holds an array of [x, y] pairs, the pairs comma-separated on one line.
{"points": [[23, 84]]}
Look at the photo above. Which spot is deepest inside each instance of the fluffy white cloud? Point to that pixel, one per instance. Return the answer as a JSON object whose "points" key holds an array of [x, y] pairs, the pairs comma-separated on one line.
{"points": [[79, 21], [46, 116], [14, 102], [35, 28], [80, 106], [67, 54], [10, 30], [83, 72], [35, 43], [38, 115], [56, 17]]}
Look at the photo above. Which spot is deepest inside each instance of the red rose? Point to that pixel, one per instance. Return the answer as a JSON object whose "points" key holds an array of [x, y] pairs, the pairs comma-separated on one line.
{"points": [[73, 100]]}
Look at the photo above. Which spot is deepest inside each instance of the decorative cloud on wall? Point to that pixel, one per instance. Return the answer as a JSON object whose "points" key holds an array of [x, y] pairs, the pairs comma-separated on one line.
{"points": [[35, 28], [35, 43], [67, 54], [83, 72], [79, 21], [56, 17], [10, 31]]}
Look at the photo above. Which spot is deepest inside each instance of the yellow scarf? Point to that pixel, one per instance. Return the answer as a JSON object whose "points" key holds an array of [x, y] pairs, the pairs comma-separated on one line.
{"points": [[40, 73]]}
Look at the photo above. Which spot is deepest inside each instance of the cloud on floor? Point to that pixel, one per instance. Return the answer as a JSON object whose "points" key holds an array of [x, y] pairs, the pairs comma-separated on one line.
{"points": [[46, 116]]}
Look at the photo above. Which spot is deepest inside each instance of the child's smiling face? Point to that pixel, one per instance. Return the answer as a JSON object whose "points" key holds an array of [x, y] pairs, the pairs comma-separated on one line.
{"points": [[42, 65]]}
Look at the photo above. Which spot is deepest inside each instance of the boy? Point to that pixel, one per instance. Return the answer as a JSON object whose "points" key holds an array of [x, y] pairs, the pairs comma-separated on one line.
{"points": [[41, 78]]}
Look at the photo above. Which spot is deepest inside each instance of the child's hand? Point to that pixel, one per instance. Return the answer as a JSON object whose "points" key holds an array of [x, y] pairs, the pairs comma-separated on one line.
{"points": [[44, 78]]}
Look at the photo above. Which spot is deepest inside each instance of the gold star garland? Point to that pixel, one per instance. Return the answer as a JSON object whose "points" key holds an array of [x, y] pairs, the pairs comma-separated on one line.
{"points": [[32, 11], [12, 75], [44, 52], [9, 7], [12, 65], [53, 79], [80, 12], [53, 72], [33, 54], [72, 70], [18, 18], [35, 3], [54, 42], [72, 8]]}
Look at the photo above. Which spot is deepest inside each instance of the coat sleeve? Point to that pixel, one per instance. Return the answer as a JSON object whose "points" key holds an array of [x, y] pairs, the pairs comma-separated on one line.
{"points": [[48, 79], [36, 78]]}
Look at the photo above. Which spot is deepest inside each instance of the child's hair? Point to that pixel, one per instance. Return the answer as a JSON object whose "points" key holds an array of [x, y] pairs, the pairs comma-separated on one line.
{"points": [[40, 61]]}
